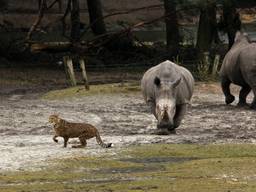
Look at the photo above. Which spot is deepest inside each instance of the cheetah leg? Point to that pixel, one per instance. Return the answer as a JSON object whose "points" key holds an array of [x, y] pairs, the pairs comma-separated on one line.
{"points": [[65, 141], [83, 142]]}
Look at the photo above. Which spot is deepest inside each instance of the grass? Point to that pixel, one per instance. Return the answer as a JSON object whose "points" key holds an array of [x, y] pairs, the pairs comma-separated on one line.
{"points": [[94, 90], [158, 167]]}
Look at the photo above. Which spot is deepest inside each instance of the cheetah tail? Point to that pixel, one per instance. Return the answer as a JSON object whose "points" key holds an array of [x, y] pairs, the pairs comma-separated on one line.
{"points": [[101, 143]]}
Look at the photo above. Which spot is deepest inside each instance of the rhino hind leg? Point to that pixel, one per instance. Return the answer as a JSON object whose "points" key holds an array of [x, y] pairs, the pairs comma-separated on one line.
{"points": [[225, 84], [253, 104], [243, 94]]}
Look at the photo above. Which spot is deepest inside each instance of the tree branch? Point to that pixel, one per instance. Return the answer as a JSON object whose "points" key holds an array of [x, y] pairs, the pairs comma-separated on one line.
{"points": [[120, 13], [108, 37], [52, 4]]}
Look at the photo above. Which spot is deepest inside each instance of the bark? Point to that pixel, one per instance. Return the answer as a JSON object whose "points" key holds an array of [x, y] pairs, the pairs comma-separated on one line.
{"points": [[75, 21], [172, 28], [207, 29], [96, 17]]}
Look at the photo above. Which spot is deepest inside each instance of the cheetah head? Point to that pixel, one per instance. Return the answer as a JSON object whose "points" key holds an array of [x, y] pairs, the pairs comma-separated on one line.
{"points": [[54, 119]]}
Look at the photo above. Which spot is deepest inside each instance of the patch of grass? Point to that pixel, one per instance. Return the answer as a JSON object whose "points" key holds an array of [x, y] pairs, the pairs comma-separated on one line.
{"points": [[225, 167], [193, 151], [94, 90]]}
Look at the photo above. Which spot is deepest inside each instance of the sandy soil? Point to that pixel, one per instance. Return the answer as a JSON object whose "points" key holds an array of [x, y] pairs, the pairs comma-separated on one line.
{"points": [[123, 119]]}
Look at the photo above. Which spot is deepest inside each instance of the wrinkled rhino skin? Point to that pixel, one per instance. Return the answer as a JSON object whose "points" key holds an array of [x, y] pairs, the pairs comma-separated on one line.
{"points": [[239, 68], [167, 88]]}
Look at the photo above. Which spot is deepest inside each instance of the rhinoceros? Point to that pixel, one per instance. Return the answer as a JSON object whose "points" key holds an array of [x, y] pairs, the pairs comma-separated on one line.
{"points": [[239, 67], [167, 88]]}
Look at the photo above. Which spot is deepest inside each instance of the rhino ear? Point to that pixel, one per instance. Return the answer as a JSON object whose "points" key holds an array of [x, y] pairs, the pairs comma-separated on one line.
{"points": [[238, 36], [176, 82], [157, 81]]}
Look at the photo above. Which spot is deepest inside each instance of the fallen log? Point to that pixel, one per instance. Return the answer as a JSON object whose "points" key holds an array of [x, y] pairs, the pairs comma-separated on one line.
{"points": [[51, 47]]}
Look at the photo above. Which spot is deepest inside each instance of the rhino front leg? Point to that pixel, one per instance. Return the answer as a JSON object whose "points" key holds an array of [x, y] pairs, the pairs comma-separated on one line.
{"points": [[225, 83], [243, 94], [179, 115], [152, 106]]}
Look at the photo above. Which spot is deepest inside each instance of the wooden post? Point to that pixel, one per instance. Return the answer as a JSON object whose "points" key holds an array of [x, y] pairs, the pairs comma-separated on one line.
{"points": [[215, 65], [82, 65], [69, 70]]}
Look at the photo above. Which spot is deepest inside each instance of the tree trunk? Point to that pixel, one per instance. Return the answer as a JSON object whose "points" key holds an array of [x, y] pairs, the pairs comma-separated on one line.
{"points": [[60, 3], [3, 4], [96, 17], [172, 28], [75, 21], [231, 20], [207, 29]]}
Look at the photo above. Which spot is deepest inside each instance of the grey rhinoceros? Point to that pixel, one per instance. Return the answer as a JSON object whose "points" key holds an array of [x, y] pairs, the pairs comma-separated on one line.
{"points": [[239, 67], [167, 88]]}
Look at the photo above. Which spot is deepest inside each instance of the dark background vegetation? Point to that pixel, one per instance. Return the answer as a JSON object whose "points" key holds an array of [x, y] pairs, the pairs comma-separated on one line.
{"points": [[114, 34]]}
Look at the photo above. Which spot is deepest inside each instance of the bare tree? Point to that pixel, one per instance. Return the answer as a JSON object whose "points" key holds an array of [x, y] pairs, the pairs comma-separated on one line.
{"points": [[172, 29], [96, 17]]}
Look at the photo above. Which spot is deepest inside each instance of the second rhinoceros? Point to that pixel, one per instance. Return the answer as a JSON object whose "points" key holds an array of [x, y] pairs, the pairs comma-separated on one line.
{"points": [[167, 88], [239, 67]]}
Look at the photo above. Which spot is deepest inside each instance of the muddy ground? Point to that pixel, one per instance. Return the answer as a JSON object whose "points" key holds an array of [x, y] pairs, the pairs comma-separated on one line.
{"points": [[123, 119]]}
